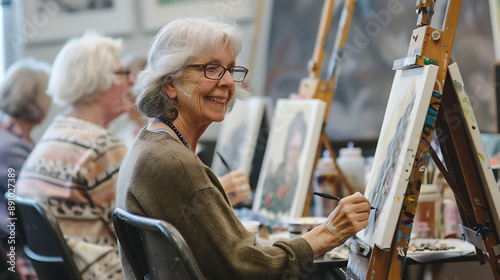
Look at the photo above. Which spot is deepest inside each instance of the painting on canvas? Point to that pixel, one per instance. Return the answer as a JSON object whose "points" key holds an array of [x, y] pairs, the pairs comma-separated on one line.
{"points": [[396, 148], [287, 166], [238, 135], [490, 187]]}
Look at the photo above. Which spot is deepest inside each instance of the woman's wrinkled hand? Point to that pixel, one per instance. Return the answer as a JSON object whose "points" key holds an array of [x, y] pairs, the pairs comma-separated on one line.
{"points": [[349, 217], [236, 185]]}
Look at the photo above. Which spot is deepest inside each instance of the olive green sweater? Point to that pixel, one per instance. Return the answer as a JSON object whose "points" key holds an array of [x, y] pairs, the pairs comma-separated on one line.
{"points": [[162, 179]]}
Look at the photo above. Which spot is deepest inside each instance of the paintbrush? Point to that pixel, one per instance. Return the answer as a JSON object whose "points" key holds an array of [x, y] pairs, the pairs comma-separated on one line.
{"points": [[231, 194], [329, 196], [224, 162]]}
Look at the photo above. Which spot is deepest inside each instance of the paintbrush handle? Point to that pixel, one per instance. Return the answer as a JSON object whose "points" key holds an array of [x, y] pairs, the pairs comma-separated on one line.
{"points": [[224, 162], [329, 196]]}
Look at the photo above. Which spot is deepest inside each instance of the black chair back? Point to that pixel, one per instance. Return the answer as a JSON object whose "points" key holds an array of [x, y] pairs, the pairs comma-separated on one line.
{"points": [[43, 241], [154, 248]]}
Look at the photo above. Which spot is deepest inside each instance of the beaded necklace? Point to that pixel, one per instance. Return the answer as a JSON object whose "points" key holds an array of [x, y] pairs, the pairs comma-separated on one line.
{"points": [[171, 125]]}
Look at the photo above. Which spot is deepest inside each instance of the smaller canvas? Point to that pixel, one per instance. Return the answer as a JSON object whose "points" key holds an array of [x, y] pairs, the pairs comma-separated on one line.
{"points": [[396, 148], [289, 158], [489, 185], [237, 139]]}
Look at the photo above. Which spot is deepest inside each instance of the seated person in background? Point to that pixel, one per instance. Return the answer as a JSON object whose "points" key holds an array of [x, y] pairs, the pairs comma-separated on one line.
{"points": [[73, 169], [24, 104], [189, 82], [128, 125]]}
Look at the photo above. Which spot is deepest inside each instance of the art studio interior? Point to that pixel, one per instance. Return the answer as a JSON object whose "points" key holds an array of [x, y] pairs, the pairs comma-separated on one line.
{"points": [[249, 139]]}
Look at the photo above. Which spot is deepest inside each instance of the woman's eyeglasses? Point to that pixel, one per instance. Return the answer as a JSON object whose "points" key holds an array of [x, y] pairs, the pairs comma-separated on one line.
{"points": [[125, 72], [216, 71]]}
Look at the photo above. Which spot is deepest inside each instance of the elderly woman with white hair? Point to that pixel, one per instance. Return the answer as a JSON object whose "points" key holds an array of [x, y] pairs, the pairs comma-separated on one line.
{"points": [[190, 81], [24, 104], [74, 167]]}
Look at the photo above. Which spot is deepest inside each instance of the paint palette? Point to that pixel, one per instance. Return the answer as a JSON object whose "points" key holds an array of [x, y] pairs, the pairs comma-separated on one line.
{"points": [[428, 250]]}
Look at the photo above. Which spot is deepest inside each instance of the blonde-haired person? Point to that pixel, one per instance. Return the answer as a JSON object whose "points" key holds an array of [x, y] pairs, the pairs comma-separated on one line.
{"points": [[23, 104], [74, 167], [190, 81]]}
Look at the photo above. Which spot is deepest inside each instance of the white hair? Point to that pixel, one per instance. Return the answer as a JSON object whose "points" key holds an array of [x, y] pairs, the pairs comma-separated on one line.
{"points": [[23, 83], [84, 68], [175, 46]]}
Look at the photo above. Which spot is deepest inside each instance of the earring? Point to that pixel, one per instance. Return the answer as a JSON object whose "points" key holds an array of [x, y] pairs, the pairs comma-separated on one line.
{"points": [[171, 113]]}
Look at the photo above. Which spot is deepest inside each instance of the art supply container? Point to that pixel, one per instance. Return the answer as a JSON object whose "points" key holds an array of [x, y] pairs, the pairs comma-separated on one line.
{"points": [[252, 226], [352, 164], [428, 217], [326, 180]]}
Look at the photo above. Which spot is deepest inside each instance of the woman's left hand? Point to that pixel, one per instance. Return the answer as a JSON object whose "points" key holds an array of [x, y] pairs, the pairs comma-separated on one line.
{"points": [[236, 185]]}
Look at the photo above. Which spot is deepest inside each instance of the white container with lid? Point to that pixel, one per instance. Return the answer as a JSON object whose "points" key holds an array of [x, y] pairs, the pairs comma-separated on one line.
{"points": [[352, 164], [325, 181]]}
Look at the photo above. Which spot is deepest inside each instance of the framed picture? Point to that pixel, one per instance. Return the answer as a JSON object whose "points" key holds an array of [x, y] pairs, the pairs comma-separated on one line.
{"points": [[489, 184], [157, 13], [396, 148], [52, 20], [237, 140], [289, 158]]}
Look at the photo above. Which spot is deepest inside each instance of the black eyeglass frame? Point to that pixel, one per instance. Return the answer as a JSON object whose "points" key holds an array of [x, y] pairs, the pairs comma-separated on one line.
{"points": [[204, 67], [125, 72]]}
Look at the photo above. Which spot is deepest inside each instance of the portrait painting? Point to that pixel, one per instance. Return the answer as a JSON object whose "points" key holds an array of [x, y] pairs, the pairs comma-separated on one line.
{"points": [[395, 153], [58, 20], [289, 158], [237, 139]]}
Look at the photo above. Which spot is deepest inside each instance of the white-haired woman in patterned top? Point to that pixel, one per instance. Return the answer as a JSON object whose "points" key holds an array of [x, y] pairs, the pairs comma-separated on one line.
{"points": [[74, 167]]}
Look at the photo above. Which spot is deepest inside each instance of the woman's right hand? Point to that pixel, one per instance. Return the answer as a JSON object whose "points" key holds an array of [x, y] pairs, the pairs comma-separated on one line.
{"points": [[349, 217]]}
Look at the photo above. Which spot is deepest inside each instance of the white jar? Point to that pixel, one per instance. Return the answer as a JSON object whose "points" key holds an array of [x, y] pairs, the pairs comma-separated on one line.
{"points": [[325, 181], [352, 164]]}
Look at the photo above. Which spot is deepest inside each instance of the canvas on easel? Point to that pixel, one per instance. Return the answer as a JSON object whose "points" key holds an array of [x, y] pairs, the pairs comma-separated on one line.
{"points": [[450, 116], [238, 136], [289, 158], [403, 122], [491, 192]]}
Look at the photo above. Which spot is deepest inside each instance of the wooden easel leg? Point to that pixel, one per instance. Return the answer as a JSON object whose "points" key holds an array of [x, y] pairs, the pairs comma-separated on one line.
{"points": [[379, 264], [307, 205]]}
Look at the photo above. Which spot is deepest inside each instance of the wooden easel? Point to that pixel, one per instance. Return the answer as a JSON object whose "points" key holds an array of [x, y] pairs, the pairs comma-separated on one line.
{"points": [[315, 87], [433, 46]]}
